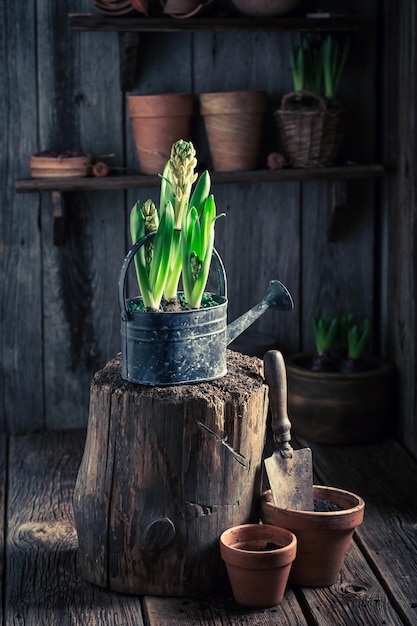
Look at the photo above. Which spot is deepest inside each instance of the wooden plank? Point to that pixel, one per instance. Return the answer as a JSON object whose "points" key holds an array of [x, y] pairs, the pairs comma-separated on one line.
{"points": [[399, 295], [3, 482], [123, 24], [256, 176], [219, 610], [385, 476], [21, 380], [337, 277], [81, 317], [355, 598], [43, 585]]}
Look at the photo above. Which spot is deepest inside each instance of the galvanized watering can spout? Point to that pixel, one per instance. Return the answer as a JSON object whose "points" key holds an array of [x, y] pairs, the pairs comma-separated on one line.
{"points": [[277, 297]]}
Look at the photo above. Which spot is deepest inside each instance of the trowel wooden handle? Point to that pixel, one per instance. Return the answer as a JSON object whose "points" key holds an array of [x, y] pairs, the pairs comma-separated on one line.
{"points": [[276, 376]]}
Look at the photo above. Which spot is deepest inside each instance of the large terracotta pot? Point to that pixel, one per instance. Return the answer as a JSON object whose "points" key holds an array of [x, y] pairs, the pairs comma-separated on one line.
{"points": [[258, 560], [233, 122], [158, 121], [336, 408], [323, 536]]}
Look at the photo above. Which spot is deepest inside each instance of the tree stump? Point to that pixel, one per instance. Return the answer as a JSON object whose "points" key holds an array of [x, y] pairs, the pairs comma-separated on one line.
{"points": [[165, 470]]}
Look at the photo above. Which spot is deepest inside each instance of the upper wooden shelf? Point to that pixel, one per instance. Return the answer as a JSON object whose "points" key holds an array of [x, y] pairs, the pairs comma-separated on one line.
{"points": [[87, 21], [257, 176], [129, 29]]}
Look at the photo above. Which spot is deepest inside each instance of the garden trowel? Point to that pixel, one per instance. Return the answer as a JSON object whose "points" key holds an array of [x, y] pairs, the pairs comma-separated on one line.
{"points": [[290, 472]]}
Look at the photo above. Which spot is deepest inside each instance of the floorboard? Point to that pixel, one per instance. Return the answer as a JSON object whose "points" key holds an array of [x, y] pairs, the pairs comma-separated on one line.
{"points": [[43, 586], [219, 611], [384, 474], [3, 482]]}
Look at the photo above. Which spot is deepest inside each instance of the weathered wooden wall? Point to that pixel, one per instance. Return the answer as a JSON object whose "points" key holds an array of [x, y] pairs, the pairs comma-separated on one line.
{"points": [[59, 316], [400, 194]]}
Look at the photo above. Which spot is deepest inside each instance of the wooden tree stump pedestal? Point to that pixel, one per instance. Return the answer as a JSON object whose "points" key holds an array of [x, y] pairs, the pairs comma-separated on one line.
{"points": [[165, 470]]}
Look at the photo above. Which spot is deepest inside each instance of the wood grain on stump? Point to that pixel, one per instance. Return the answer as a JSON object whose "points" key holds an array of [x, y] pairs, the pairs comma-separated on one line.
{"points": [[165, 470]]}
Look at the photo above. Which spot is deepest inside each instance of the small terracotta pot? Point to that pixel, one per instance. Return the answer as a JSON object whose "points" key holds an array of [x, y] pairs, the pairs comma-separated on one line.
{"points": [[62, 165], [233, 122], [158, 121], [258, 560], [323, 537]]}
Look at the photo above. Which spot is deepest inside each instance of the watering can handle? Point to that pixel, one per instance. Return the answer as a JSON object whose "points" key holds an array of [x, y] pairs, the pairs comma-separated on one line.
{"points": [[220, 271]]}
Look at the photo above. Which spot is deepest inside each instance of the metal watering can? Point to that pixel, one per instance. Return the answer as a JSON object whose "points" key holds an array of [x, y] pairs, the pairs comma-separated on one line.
{"points": [[172, 348]]}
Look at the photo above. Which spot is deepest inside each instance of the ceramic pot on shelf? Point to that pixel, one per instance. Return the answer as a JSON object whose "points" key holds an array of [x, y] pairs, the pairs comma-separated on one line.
{"points": [[258, 560], [337, 408], [233, 122], [323, 535], [158, 121], [265, 8]]}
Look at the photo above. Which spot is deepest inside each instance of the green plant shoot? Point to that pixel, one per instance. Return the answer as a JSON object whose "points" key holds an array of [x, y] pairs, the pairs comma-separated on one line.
{"points": [[297, 61], [152, 260], [197, 247], [325, 328], [357, 339], [177, 181], [333, 60]]}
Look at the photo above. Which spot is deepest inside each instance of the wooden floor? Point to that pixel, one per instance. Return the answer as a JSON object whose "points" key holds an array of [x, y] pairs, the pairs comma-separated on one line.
{"points": [[38, 547]]}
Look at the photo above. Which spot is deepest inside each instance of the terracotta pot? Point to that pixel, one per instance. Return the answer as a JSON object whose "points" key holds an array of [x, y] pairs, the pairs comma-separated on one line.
{"points": [[336, 408], [179, 7], [266, 8], [158, 121], [233, 122], [59, 164], [258, 560], [323, 537]]}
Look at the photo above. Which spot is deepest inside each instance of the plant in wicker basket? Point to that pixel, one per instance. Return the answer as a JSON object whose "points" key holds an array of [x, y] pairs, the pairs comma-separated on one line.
{"points": [[310, 121]]}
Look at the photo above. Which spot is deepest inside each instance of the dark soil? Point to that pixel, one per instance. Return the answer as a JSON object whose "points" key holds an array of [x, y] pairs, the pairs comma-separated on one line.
{"points": [[258, 547], [325, 506], [243, 378], [175, 305]]}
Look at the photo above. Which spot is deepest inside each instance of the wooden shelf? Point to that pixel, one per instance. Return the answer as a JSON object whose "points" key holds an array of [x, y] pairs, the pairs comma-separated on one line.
{"points": [[257, 176], [129, 29], [89, 22]]}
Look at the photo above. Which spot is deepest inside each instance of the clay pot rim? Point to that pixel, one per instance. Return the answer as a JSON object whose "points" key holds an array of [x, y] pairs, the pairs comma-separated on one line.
{"points": [[297, 364], [326, 492], [169, 104], [259, 559], [232, 102]]}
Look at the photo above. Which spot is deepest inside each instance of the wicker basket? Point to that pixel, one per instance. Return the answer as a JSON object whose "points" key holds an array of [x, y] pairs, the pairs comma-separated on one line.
{"points": [[310, 138]]}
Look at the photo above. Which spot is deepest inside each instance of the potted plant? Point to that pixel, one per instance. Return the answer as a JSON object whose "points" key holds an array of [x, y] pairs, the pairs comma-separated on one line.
{"points": [[340, 395], [171, 336], [310, 120]]}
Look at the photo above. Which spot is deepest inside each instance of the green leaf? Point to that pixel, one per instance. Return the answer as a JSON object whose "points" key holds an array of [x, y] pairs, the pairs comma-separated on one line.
{"points": [[201, 192], [137, 231], [358, 338], [162, 254], [325, 329]]}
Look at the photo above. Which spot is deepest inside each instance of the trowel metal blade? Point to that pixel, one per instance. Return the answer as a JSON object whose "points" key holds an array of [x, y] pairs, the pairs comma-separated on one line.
{"points": [[291, 479]]}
